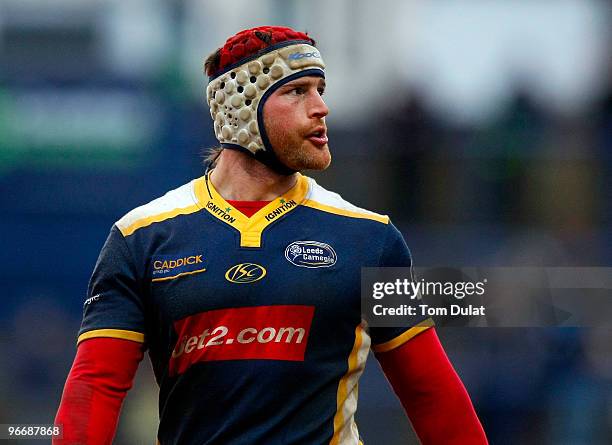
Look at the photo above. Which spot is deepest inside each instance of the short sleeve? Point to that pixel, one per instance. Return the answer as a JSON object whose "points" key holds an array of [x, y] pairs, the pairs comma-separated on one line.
{"points": [[395, 253], [113, 306]]}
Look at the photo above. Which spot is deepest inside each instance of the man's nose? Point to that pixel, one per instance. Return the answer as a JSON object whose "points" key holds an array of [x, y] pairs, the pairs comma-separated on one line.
{"points": [[317, 107]]}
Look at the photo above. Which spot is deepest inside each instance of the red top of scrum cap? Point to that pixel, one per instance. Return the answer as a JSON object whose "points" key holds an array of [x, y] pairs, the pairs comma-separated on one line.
{"points": [[250, 42]]}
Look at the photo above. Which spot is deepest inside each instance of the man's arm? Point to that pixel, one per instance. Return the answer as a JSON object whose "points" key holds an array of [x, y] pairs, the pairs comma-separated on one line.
{"points": [[111, 342], [431, 392], [102, 373]]}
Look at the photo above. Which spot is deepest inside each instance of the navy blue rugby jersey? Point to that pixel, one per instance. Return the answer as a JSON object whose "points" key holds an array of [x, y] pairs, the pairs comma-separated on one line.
{"points": [[253, 325]]}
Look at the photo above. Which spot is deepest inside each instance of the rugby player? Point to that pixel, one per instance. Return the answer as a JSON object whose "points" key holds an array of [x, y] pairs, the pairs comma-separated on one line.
{"points": [[244, 284]]}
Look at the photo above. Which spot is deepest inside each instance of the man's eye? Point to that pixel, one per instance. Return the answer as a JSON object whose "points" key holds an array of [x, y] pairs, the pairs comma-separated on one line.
{"points": [[321, 91], [298, 90]]}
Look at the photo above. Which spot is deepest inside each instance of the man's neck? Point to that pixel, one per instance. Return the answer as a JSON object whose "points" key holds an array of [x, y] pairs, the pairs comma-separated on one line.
{"points": [[239, 177]]}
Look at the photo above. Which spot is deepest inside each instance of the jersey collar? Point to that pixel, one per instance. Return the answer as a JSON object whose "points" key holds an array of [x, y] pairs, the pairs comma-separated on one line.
{"points": [[250, 229]]}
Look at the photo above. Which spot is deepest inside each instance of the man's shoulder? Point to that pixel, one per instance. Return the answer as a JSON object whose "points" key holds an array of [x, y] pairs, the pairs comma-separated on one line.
{"points": [[325, 200], [182, 200]]}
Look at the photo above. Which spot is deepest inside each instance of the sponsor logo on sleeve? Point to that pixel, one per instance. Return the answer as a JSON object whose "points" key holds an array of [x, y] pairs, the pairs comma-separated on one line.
{"points": [[311, 254], [277, 332], [167, 267], [92, 299]]}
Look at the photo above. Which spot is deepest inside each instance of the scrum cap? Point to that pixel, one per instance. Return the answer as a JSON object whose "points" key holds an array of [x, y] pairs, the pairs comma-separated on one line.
{"points": [[242, 75]]}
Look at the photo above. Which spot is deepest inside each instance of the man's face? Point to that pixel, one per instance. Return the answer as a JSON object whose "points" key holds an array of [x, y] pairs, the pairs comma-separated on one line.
{"points": [[294, 118]]}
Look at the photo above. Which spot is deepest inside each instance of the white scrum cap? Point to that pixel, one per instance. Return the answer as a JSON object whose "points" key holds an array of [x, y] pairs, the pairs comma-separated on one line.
{"points": [[242, 75]]}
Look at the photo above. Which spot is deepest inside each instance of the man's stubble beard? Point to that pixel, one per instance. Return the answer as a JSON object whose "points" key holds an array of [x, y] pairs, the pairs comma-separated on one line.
{"points": [[299, 154]]}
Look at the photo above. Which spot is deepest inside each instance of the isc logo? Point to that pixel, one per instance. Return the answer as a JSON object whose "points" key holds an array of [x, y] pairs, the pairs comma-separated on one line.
{"points": [[245, 273]]}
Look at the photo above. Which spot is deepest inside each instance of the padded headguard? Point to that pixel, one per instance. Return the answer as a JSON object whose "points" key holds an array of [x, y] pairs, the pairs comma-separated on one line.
{"points": [[244, 73]]}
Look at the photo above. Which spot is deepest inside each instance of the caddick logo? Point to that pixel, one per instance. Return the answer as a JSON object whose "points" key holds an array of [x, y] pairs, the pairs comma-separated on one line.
{"points": [[245, 273], [168, 267], [311, 254], [174, 263]]}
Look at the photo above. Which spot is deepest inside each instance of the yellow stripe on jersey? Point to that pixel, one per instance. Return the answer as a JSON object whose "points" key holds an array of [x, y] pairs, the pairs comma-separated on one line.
{"points": [[180, 201], [179, 275], [250, 228], [344, 212], [404, 337], [144, 222], [112, 333], [345, 429]]}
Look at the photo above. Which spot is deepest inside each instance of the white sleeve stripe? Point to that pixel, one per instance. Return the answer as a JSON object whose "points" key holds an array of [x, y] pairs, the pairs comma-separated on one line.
{"points": [[179, 201], [323, 199]]}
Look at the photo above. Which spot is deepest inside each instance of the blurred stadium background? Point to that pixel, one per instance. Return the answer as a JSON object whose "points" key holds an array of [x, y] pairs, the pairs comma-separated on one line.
{"points": [[483, 127]]}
